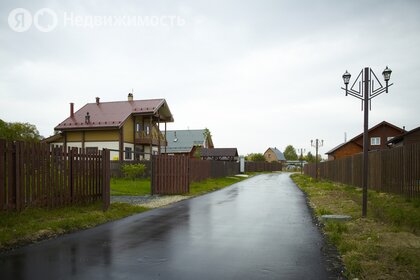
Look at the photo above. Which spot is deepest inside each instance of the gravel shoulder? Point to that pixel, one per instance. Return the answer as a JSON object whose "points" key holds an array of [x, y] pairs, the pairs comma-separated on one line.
{"points": [[149, 201]]}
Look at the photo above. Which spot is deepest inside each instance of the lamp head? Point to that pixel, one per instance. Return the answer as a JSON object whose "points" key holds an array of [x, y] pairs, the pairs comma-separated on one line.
{"points": [[346, 78], [387, 74]]}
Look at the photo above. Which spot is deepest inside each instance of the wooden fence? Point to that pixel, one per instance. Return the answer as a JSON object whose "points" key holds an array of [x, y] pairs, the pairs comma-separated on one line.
{"points": [[173, 174], [170, 174], [33, 174], [395, 170], [261, 166]]}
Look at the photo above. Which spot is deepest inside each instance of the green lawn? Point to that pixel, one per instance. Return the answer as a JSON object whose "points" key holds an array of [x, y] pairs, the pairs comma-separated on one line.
{"points": [[122, 186], [384, 245], [32, 224]]}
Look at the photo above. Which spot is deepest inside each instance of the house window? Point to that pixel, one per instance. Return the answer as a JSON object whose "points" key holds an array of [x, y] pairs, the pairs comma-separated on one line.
{"points": [[375, 141], [128, 152], [138, 127]]}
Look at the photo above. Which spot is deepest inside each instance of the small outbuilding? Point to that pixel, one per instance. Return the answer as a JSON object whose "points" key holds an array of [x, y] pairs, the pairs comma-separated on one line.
{"points": [[274, 154]]}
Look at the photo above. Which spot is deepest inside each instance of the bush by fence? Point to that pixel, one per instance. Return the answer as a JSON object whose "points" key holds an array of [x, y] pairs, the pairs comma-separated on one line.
{"points": [[116, 167], [33, 174], [395, 170]]}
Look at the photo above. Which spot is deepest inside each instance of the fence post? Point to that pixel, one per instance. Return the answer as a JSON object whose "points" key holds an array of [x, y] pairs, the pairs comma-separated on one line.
{"points": [[70, 154], [152, 174], [105, 179], [16, 167]]}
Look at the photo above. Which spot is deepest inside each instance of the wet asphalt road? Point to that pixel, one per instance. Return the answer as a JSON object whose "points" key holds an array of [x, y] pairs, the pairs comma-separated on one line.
{"points": [[260, 228]]}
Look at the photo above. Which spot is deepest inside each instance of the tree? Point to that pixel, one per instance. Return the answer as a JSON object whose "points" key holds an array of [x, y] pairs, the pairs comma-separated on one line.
{"points": [[19, 131], [310, 157], [290, 153], [255, 157], [207, 137]]}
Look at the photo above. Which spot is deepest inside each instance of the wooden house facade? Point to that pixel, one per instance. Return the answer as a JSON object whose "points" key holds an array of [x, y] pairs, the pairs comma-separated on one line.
{"points": [[379, 135], [130, 129]]}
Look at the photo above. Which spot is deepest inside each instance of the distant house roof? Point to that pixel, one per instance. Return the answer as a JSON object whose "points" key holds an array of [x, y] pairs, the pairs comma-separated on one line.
{"points": [[400, 138], [354, 139], [340, 146], [182, 141], [219, 153], [279, 155], [113, 114]]}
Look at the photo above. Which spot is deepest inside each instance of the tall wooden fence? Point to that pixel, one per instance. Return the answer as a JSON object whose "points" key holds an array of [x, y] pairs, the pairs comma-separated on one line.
{"points": [[173, 174], [261, 166], [395, 170], [170, 174], [33, 174]]}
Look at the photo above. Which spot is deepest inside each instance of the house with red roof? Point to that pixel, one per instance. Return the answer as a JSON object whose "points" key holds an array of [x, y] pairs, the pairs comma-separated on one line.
{"points": [[131, 129]]}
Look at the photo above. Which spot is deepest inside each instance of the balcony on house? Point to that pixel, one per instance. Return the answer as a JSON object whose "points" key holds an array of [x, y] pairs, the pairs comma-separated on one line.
{"points": [[147, 137]]}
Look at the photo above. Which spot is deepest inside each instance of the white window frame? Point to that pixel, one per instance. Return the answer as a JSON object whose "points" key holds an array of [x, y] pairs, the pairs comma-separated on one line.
{"points": [[375, 141]]}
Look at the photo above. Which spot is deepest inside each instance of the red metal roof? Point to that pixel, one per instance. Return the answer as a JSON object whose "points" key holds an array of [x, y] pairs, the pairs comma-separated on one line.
{"points": [[113, 114]]}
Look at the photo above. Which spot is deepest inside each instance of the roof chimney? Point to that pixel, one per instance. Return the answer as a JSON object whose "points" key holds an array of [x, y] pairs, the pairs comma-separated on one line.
{"points": [[130, 97], [97, 100], [71, 110]]}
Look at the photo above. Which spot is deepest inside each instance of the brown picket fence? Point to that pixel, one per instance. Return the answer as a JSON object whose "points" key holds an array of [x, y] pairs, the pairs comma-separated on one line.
{"points": [[395, 170], [34, 174]]}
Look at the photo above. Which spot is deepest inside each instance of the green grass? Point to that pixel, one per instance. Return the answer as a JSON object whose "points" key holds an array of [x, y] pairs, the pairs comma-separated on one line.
{"points": [[32, 224], [122, 186], [384, 245], [208, 185]]}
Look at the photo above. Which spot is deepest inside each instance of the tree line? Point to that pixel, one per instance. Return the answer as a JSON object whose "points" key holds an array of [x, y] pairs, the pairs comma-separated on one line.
{"points": [[17, 131], [289, 153]]}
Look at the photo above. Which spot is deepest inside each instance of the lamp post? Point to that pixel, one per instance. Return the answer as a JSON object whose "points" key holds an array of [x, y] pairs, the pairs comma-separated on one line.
{"points": [[365, 89], [301, 151], [317, 143]]}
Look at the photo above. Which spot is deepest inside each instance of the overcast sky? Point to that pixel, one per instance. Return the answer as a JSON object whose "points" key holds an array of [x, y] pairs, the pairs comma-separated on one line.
{"points": [[258, 74]]}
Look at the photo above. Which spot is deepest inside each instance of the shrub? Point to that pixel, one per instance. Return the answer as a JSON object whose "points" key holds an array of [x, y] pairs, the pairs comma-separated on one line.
{"points": [[133, 171]]}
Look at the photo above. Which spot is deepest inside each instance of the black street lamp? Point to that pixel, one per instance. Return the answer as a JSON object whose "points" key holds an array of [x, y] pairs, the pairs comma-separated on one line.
{"points": [[317, 143], [365, 89]]}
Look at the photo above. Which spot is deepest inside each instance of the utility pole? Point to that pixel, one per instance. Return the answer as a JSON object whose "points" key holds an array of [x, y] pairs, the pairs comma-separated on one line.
{"points": [[317, 144], [301, 151]]}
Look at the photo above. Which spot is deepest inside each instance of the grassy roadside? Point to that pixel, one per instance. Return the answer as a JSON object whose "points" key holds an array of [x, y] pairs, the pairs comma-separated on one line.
{"points": [[122, 186], [33, 224], [385, 245]]}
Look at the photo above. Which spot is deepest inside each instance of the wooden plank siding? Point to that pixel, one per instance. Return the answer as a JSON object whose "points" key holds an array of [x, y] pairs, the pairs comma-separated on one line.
{"points": [[395, 170], [33, 174]]}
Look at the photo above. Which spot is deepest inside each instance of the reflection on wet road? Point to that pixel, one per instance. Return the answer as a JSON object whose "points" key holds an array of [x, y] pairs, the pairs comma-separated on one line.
{"points": [[259, 228]]}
